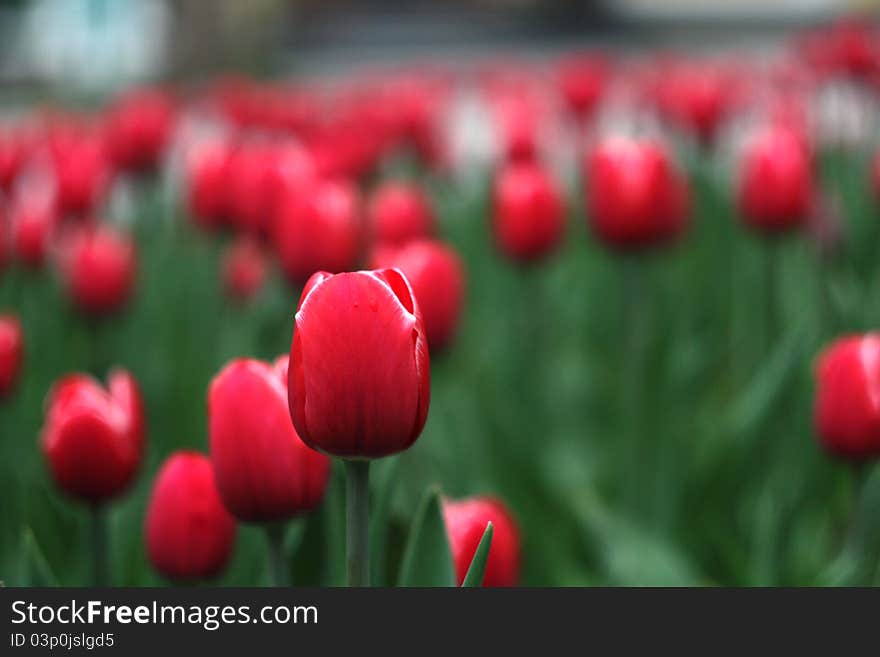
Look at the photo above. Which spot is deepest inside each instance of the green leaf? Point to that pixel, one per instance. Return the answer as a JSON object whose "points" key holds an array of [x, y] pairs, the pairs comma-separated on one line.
{"points": [[477, 570], [427, 560], [319, 559], [36, 570]]}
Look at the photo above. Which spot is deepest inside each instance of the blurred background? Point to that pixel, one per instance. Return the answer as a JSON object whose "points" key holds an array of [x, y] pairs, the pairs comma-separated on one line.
{"points": [[648, 418]]}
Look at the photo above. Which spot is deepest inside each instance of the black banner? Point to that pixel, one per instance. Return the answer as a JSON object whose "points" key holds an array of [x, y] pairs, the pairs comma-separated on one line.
{"points": [[270, 621]]}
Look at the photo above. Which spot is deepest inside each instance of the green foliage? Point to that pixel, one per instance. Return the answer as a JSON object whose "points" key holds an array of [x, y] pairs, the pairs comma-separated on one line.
{"points": [[427, 560], [477, 570]]}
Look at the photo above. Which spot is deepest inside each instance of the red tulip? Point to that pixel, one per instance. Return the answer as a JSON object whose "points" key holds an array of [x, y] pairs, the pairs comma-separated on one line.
{"points": [[776, 180], [400, 212], [436, 275], [528, 212], [12, 157], [582, 81], [359, 381], [264, 471], [11, 351], [93, 438], [244, 269], [207, 178], [635, 197], [189, 533], [82, 171], [138, 128], [696, 97], [98, 264], [33, 219], [847, 406], [318, 229], [466, 521], [259, 174]]}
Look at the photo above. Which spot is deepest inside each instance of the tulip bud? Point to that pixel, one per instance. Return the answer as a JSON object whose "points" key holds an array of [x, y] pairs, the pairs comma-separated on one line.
{"points": [[207, 177], [264, 471], [466, 522], [93, 438], [11, 351], [775, 191], [582, 81], [318, 229], [33, 219], [528, 212], [83, 173], [359, 380], [399, 213], [635, 197], [847, 407], [189, 533], [436, 275], [98, 265], [244, 269], [138, 127]]}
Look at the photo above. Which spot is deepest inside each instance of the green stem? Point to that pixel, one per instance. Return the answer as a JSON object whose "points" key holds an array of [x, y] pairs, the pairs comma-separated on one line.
{"points": [[98, 522], [279, 573], [357, 512]]}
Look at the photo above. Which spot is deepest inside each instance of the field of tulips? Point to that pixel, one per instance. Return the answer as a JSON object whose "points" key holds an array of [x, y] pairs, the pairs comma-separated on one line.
{"points": [[617, 304]]}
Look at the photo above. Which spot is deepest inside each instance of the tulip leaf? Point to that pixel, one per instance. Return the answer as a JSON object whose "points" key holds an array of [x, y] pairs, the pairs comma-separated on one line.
{"points": [[427, 559], [319, 559], [36, 570], [477, 570]]}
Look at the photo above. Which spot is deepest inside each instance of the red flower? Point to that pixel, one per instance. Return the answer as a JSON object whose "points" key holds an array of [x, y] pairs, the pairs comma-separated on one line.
{"points": [[93, 438], [138, 127], [318, 229], [400, 212], [83, 172], [776, 180], [466, 521], [528, 212], [697, 97], [207, 178], [33, 219], [436, 275], [189, 533], [582, 81], [259, 174], [264, 471], [98, 264], [847, 406], [11, 352], [13, 152], [244, 269], [359, 382], [635, 197]]}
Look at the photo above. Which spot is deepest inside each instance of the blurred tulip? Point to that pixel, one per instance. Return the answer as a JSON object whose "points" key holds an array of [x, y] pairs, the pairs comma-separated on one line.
{"points": [[466, 522], [11, 353], [436, 275], [528, 212], [265, 473], [776, 187], [244, 269], [139, 125], [93, 438], [189, 533], [582, 81], [847, 406], [259, 175], [83, 173], [697, 97], [33, 219], [635, 196], [5, 241], [207, 178], [400, 212], [318, 229], [98, 265], [359, 380], [12, 156]]}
